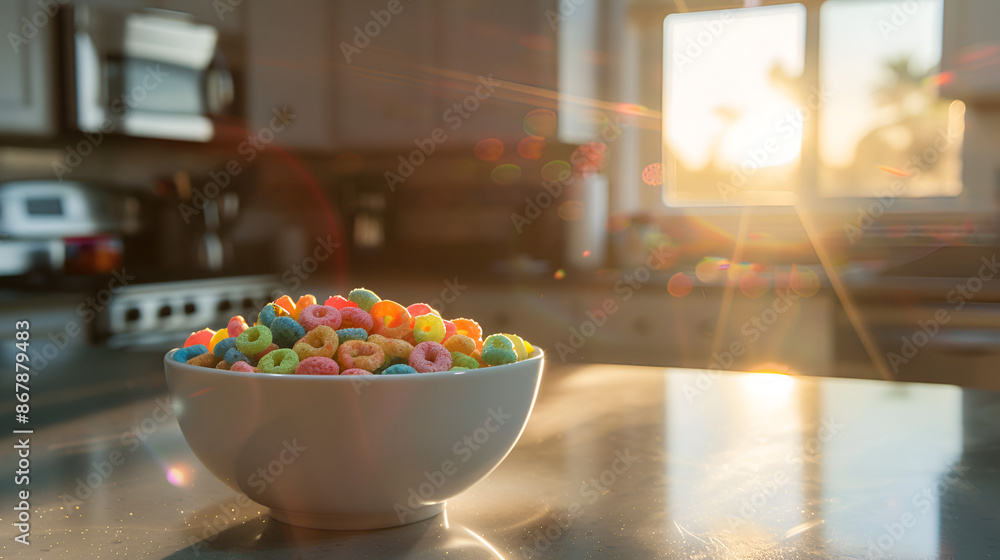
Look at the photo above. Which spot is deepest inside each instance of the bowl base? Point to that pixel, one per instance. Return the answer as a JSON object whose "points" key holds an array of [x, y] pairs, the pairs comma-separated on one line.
{"points": [[353, 521]]}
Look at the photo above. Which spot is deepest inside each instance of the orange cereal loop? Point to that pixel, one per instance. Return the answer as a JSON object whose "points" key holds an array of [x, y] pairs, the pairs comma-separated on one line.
{"points": [[478, 356], [304, 302], [469, 328], [285, 302], [390, 319], [357, 354], [460, 343], [321, 341]]}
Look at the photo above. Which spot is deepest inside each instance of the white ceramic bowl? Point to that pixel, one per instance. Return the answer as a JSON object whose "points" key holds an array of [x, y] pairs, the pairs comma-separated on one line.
{"points": [[353, 452]]}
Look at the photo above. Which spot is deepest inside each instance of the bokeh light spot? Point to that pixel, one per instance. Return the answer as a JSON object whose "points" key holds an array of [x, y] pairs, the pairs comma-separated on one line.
{"points": [[540, 122], [506, 174], [586, 253], [572, 210], [560, 274], [530, 147], [710, 268], [589, 158], [804, 281], [680, 285], [753, 285], [653, 174], [555, 171], [489, 149]]}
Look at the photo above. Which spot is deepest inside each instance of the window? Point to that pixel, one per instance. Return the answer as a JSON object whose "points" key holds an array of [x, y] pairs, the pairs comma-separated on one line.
{"points": [[762, 107]]}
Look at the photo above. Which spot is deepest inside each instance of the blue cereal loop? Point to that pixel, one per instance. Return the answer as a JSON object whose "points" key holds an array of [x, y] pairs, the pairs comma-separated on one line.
{"points": [[223, 346], [285, 332], [185, 354], [398, 369], [498, 350], [233, 355], [352, 334]]}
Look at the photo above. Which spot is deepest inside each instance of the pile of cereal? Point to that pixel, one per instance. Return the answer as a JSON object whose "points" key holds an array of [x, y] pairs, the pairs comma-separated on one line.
{"points": [[360, 335]]}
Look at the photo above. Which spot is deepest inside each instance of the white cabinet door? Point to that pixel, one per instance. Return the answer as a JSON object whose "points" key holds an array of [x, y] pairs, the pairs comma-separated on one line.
{"points": [[27, 65]]}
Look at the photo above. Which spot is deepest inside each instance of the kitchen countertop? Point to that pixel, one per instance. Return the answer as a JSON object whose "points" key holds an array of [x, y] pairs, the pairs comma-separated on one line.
{"points": [[616, 462]]}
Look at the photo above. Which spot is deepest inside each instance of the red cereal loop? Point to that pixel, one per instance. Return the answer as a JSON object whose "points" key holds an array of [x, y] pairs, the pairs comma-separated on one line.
{"points": [[363, 355], [244, 367], [356, 371], [316, 315], [317, 365], [339, 302], [236, 326], [450, 329], [430, 356], [355, 318]]}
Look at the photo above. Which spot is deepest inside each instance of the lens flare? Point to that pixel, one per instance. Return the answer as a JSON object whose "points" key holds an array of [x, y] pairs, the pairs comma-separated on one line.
{"points": [[488, 149], [555, 171], [530, 147], [680, 285], [572, 210], [179, 475], [710, 269], [893, 171], [652, 175], [560, 274], [586, 253], [540, 122], [804, 281], [506, 174]]}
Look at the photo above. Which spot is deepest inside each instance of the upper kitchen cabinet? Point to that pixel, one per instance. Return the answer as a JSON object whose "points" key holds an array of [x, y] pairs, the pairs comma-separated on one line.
{"points": [[27, 92], [382, 54], [971, 51], [287, 75], [501, 60]]}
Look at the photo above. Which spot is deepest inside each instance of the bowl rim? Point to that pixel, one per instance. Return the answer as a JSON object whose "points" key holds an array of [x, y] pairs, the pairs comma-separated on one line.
{"points": [[536, 355]]}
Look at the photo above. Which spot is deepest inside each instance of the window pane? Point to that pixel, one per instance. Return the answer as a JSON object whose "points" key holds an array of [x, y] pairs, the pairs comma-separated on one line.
{"points": [[884, 126], [732, 98]]}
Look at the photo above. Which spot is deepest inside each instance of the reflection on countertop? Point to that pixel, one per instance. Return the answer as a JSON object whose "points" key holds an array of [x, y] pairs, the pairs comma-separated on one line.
{"points": [[616, 462]]}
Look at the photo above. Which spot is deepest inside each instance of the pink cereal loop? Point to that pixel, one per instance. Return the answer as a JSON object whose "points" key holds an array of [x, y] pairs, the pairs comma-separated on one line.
{"points": [[430, 356], [316, 315], [355, 317]]}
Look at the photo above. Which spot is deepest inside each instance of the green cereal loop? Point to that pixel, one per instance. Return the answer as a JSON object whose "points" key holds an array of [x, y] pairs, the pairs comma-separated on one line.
{"points": [[364, 298], [498, 350], [254, 340], [463, 361], [286, 358]]}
